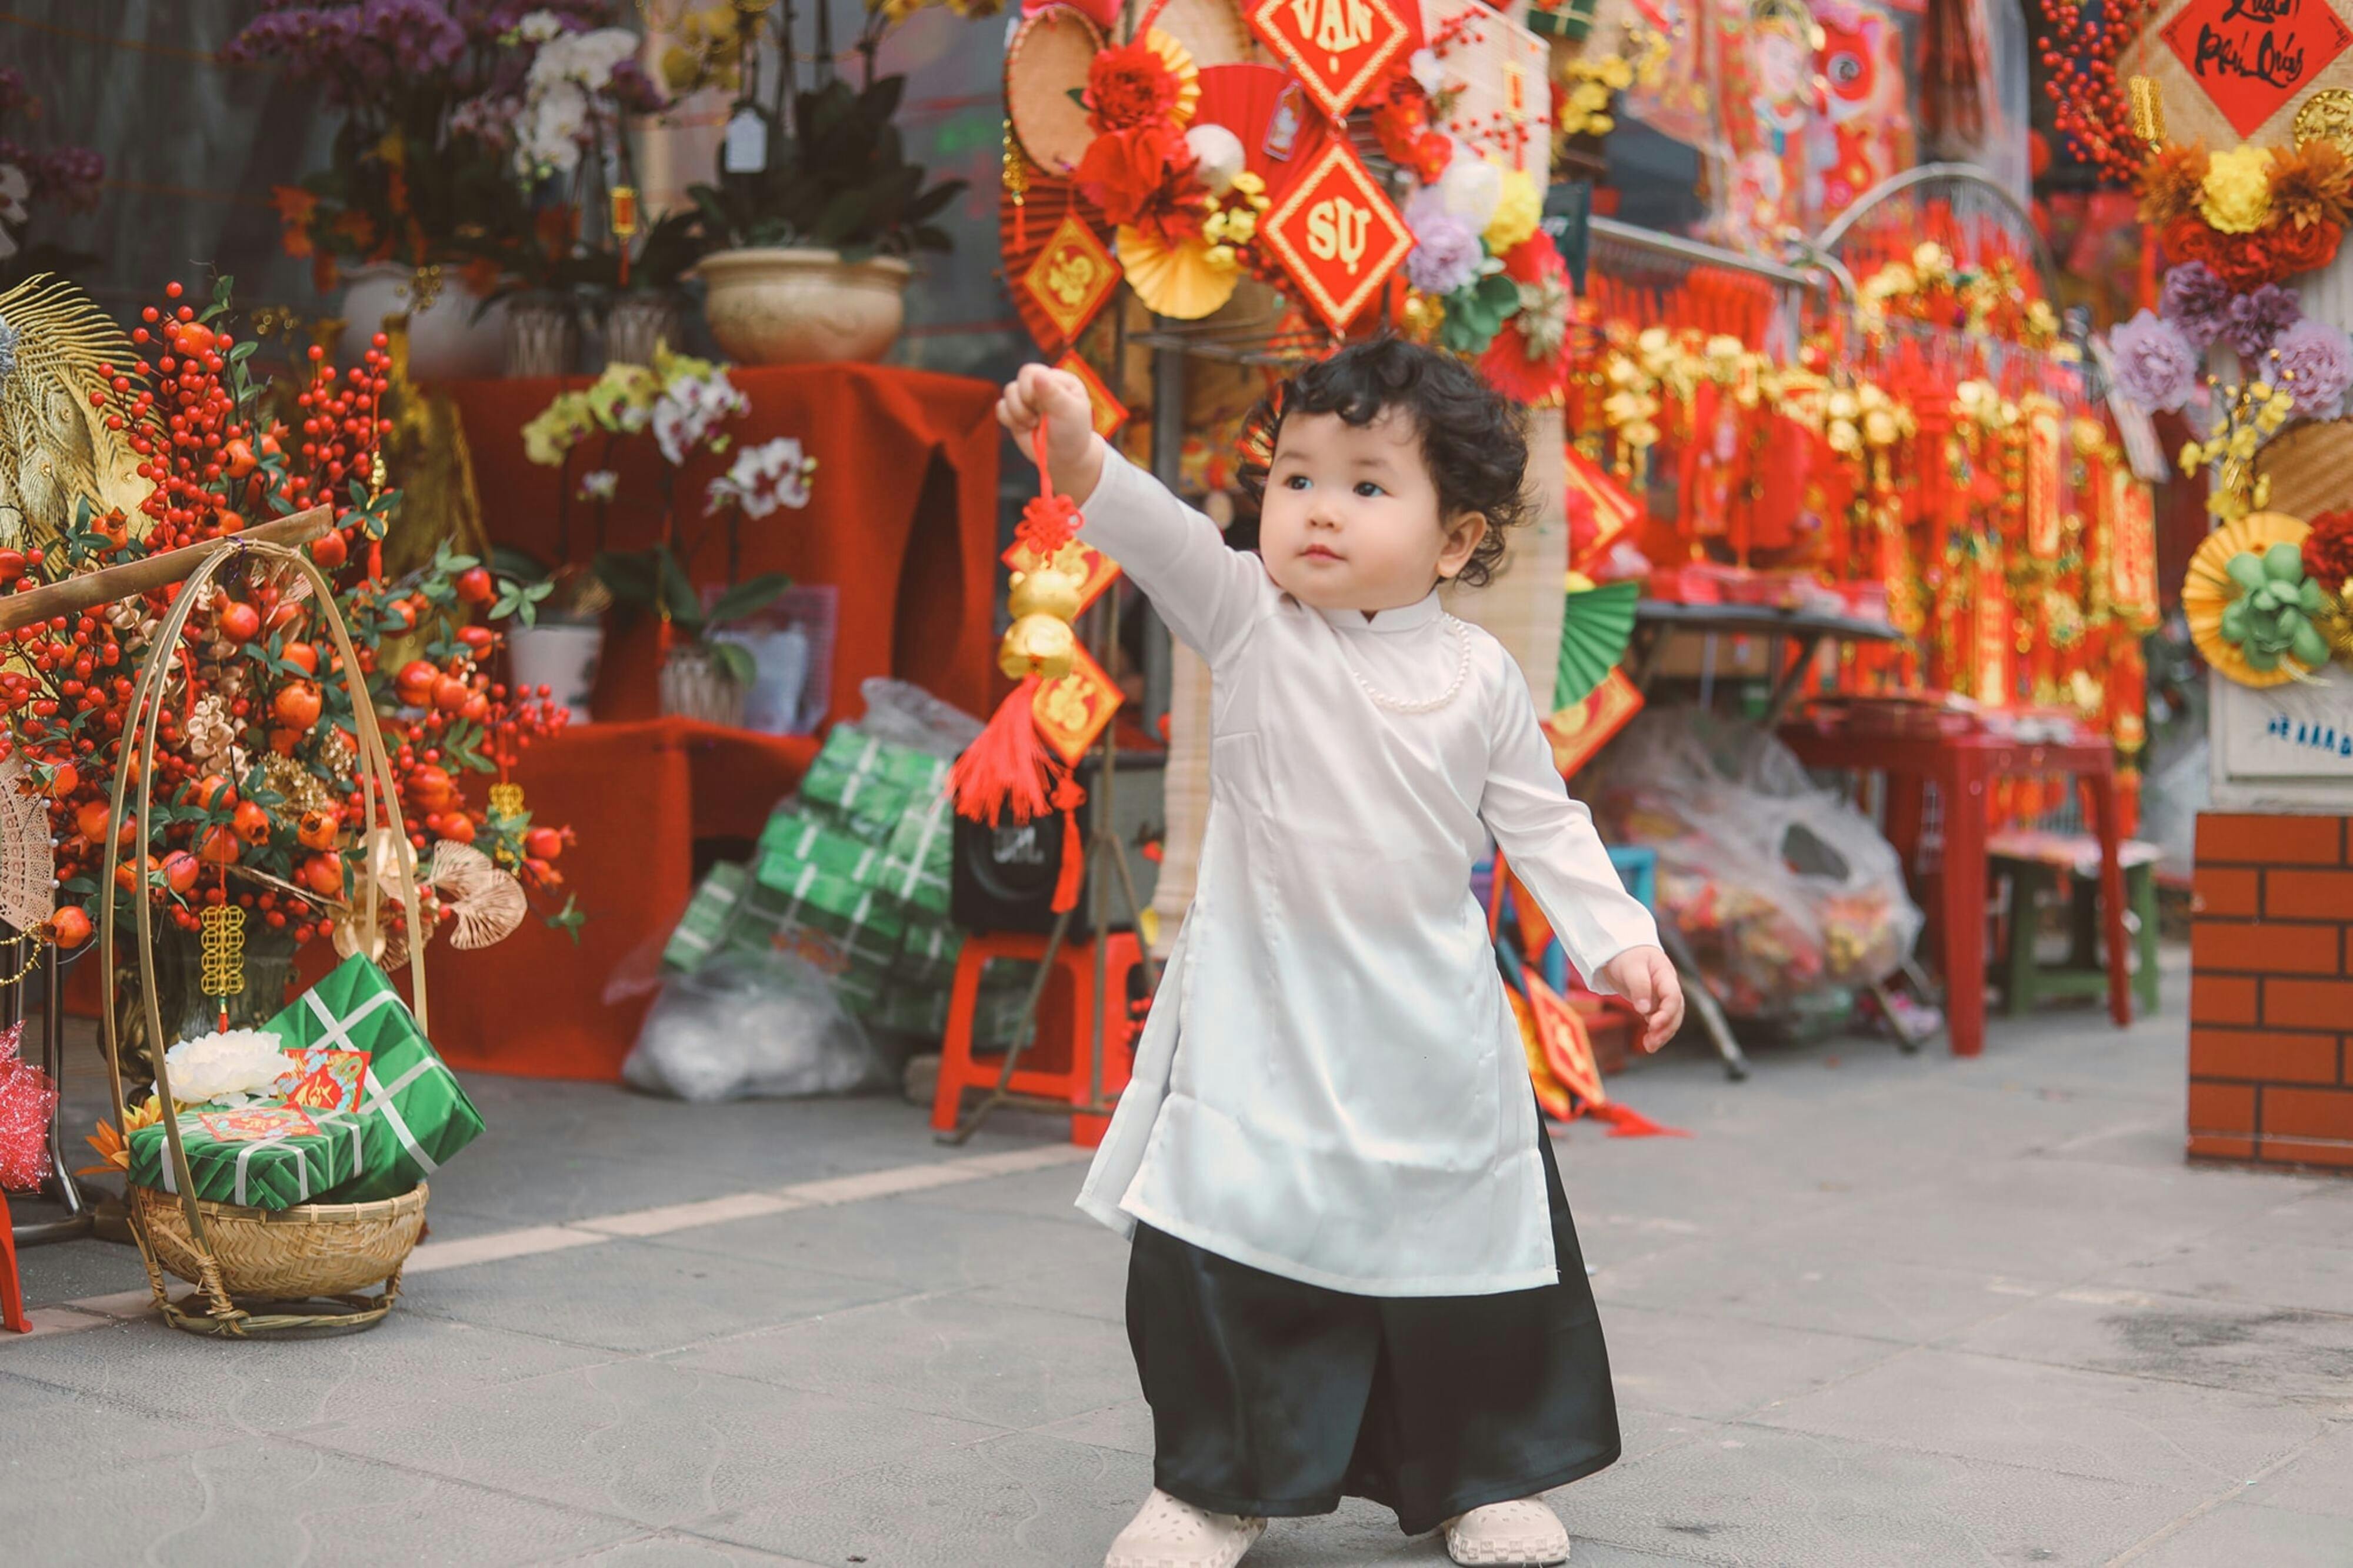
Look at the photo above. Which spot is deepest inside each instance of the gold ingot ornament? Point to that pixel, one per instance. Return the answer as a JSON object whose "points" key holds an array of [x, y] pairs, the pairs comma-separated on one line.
{"points": [[2327, 115], [1047, 591], [1037, 644]]}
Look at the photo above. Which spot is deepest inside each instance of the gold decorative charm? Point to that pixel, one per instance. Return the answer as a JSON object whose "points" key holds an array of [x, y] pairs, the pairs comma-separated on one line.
{"points": [[220, 951], [2149, 112], [506, 800], [2327, 115]]}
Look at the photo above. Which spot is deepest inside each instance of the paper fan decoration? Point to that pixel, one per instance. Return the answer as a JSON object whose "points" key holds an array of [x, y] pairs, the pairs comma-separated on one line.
{"points": [[2219, 601], [387, 943], [486, 904], [1595, 624], [28, 867], [1045, 71], [1177, 281], [1280, 131], [1057, 267]]}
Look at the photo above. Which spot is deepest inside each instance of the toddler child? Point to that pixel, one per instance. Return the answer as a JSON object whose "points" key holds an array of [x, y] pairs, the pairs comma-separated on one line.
{"points": [[1353, 1269]]}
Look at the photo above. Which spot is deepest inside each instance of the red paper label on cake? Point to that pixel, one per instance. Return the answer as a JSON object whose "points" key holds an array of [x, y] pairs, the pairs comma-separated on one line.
{"points": [[1338, 49], [1337, 235], [327, 1080], [2253, 56], [256, 1125]]}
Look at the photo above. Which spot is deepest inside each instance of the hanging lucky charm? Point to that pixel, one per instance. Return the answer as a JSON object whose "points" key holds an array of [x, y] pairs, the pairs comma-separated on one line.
{"points": [[1007, 775], [220, 954]]}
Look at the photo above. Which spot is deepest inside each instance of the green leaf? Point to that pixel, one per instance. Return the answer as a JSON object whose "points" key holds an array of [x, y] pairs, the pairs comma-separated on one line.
{"points": [[749, 598], [569, 920], [734, 661]]}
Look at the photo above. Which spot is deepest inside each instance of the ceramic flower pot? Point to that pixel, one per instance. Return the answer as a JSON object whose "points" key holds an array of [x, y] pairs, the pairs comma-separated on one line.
{"points": [[638, 324], [541, 337], [562, 656], [694, 686], [445, 341], [803, 307]]}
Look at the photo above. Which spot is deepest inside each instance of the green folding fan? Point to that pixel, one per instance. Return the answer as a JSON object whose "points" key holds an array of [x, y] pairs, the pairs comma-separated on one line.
{"points": [[1595, 624]]}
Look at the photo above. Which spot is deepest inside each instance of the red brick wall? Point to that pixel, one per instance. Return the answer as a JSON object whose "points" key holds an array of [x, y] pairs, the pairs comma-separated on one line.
{"points": [[2271, 991]]}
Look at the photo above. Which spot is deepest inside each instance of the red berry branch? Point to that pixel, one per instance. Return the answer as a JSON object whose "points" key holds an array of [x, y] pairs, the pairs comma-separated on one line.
{"points": [[256, 796], [2090, 106]]}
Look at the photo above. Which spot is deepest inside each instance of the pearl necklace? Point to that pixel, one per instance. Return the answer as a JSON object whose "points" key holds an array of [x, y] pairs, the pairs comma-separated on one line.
{"points": [[1432, 705]]}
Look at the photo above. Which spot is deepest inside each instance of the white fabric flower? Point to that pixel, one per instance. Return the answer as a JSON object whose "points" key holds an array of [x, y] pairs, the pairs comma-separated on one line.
{"points": [[689, 409], [213, 1067], [1428, 74], [771, 475]]}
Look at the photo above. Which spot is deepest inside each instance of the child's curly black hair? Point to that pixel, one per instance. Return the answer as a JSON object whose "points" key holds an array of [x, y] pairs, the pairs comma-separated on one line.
{"points": [[1473, 440]]}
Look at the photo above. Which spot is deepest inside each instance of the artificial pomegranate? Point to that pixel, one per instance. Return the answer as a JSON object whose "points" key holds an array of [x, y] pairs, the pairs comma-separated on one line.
{"points": [[318, 829], [218, 847], [297, 705], [181, 871], [70, 927], [252, 824], [543, 844], [429, 789], [239, 622], [323, 874], [474, 586]]}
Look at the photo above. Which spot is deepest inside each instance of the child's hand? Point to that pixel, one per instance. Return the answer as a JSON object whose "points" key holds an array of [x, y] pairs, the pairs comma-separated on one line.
{"points": [[1643, 976], [1060, 398]]}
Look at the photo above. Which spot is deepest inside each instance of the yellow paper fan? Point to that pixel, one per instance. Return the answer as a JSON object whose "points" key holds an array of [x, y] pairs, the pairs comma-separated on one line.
{"points": [[2207, 590], [1180, 65], [1184, 282]]}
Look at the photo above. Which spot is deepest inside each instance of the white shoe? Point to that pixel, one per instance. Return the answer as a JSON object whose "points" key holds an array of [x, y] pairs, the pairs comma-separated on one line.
{"points": [[1518, 1532], [1166, 1533]]}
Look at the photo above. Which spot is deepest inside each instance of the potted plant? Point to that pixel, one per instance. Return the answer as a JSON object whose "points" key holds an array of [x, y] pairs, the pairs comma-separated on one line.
{"points": [[816, 207], [702, 677], [556, 631], [431, 91]]}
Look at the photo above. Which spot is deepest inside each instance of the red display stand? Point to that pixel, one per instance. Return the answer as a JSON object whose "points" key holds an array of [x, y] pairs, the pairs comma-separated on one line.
{"points": [[902, 517]]}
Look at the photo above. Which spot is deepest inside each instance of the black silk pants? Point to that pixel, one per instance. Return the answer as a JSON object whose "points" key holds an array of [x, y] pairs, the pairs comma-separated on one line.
{"points": [[1276, 1398]]}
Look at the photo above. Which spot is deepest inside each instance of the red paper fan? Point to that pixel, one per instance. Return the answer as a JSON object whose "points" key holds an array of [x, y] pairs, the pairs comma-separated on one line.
{"points": [[1280, 131], [1058, 293]]}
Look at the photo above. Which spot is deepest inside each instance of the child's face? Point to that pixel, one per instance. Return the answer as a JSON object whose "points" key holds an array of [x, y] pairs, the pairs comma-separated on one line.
{"points": [[1351, 517]]}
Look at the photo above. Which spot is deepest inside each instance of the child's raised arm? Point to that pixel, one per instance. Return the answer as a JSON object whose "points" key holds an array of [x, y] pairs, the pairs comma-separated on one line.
{"points": [[1209, 594], [1550, 842]]}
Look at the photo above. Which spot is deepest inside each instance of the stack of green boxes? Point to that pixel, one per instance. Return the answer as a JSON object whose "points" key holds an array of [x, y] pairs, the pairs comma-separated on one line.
{"points": [[856, 873]]}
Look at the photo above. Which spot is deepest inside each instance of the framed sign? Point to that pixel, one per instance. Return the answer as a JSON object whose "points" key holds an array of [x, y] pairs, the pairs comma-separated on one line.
{"points": [[2284, 748]]}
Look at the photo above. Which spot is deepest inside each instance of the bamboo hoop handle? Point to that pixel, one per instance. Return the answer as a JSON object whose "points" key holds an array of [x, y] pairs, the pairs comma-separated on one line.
{"points": [[87, 591], [373, 764]]}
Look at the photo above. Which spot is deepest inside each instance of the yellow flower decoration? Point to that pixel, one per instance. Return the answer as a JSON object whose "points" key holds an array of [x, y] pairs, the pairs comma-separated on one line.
{"points": [[2235, 197], [1517, 213]]}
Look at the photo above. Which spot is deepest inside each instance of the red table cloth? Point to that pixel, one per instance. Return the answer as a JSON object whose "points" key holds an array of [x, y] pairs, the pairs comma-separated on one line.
{"points": [[902, 517]]}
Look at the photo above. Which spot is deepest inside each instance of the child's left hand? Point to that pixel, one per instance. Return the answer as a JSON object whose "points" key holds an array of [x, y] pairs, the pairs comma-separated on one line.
{"points": [[1643, 976]]}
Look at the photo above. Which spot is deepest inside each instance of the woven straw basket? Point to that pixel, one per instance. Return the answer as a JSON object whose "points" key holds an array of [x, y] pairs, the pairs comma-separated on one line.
{"points": [[310, 1250], [309, 1261]]}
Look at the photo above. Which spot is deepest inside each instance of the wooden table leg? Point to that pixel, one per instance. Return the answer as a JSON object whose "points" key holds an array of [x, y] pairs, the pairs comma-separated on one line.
{"points": [[2102, 788], [1964, 879]]}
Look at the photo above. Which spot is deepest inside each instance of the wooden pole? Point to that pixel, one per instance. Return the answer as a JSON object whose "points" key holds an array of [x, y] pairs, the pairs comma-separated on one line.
{"points": [[72, 596]]}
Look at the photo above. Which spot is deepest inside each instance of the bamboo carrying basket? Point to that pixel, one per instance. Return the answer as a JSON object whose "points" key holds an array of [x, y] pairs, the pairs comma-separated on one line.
{"points": [[300, 1270]]}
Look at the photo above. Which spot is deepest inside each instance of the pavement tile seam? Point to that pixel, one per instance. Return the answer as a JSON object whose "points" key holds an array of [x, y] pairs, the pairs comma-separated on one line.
{"points": [[2165, 1532]]}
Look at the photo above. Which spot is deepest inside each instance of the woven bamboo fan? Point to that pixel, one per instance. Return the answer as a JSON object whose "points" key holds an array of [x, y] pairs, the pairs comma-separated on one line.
{"points": [[2310, 466], [1213, 32], [295, 1271], [1045, 68]]}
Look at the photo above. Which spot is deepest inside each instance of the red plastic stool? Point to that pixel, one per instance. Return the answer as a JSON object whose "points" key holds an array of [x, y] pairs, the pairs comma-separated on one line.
{"points": [[1057, 1064], [12, 1284]]}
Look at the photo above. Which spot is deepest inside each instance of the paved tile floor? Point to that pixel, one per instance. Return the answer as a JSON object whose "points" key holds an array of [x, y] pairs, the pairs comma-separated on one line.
{"points": [[1878, 1309]]}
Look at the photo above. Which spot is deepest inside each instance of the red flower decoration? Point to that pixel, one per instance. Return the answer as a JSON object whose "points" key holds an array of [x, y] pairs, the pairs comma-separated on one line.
{"points": [[2328, 550], [1129, 87], [1144, 178], [1401, 122], [2305, 249]]}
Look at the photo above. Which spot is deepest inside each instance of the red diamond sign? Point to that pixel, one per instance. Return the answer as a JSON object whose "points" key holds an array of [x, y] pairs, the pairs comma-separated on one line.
{"points": [[1336, 235], [1336, 48], [2253, 56]]}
